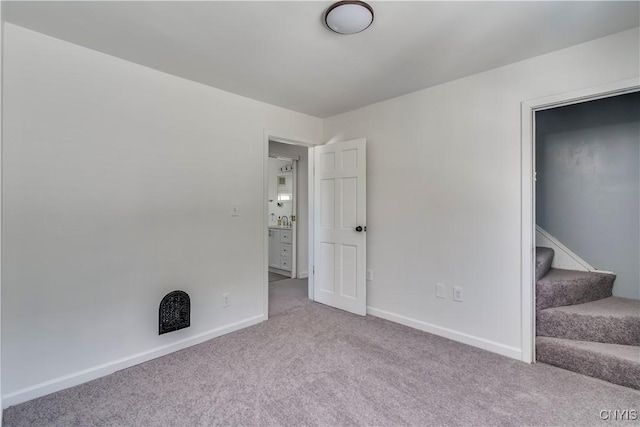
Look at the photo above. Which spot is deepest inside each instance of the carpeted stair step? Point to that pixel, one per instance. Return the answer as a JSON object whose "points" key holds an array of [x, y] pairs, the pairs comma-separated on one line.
{"points": [[566, 287], [611, 320], [619, 364], [544, 257]]}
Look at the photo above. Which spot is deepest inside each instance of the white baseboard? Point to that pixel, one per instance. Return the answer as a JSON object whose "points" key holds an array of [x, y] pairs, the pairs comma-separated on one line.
{"points": [[108, 368], [303, 274], [514, 353]]}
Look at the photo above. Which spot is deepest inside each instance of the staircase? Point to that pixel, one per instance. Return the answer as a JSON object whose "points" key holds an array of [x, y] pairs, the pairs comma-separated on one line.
{"points": [[582, 328]]}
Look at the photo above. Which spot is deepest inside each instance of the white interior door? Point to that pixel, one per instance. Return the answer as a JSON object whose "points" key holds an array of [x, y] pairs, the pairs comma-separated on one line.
{"points": [[340, 225]]}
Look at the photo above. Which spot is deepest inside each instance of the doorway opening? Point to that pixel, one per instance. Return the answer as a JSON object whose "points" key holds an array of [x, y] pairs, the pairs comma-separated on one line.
{"points": [[288, 216], [553, 257], [282, 208], [335, 217], [587, 194]]}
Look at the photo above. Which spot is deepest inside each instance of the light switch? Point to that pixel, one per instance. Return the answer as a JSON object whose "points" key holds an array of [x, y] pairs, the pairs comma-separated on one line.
{"points": [[235, 210]]}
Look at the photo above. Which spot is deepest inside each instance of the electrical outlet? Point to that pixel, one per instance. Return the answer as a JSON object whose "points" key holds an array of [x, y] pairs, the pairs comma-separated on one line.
{"points": [[440, 290], [226, 300], [457, 294], [235, 210], [369, 274]]}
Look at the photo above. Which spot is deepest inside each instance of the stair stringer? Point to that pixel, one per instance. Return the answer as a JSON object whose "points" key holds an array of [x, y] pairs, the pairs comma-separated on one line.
{"points": [[564, 258]]}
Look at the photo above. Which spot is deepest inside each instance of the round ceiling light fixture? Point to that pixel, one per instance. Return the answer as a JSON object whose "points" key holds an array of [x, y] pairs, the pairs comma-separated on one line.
{"points": [[349, 17]]}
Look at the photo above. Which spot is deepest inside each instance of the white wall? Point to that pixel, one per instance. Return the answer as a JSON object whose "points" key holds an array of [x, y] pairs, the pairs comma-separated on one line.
{"points": [[118, 186], [443, 201], [302, 233]]}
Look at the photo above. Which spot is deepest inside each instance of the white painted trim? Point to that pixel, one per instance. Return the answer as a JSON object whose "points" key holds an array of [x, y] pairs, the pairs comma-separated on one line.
{"points": [[1, 123], [569, 259], [283, 156], [303, 275], [527, 222], [527, 265], [108, 368], [291, 140], [505, 350], [311, 169], [265, 225], [294, 224], [564, 257]]}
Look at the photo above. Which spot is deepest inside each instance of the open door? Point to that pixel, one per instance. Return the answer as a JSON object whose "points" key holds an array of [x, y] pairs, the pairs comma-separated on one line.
{"points": [[340, 226]]}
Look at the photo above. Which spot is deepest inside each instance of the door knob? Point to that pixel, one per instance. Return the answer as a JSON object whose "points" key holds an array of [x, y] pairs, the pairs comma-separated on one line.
{"points": [[358, 229]]}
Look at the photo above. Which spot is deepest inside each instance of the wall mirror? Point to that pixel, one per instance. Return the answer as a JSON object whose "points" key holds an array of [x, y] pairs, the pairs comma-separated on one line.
{"points": [[284, 186]]}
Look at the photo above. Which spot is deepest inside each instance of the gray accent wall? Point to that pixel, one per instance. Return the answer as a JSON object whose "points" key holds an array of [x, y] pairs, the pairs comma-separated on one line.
{"points": [[588, 184]]}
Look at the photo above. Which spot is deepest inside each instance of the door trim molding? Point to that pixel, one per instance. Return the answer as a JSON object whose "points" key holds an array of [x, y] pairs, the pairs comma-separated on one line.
{"points": [[527, 218], [1, 144]]}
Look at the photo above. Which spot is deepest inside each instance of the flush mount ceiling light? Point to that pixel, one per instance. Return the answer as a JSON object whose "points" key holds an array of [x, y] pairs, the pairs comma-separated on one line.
{"points": [[349, 17]]}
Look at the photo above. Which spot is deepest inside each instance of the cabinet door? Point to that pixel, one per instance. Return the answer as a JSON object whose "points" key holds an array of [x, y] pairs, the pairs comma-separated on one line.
{"points": [[285, 249], [274, 248], [285, 262], [285, 236]]}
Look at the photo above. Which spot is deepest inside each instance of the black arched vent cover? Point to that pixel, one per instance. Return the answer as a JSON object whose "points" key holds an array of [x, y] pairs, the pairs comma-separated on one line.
{"points": [[175, 312]]}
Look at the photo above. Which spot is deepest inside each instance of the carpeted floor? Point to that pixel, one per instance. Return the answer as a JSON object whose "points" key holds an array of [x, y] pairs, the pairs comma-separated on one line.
{"points": [[275, 277], [313, 365], [580, 326]]}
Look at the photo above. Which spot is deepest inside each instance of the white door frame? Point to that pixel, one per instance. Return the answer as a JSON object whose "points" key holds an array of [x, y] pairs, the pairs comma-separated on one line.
{"points": [[279, 137], [294, 224], [528, 223], [1, 121]]}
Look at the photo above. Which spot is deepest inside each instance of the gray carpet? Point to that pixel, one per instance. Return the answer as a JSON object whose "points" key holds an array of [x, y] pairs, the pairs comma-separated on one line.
{"points": [[566, 287], [275, 277], [622, 362], [581, 327], [611, 320], [544, 258], [313, 365]]}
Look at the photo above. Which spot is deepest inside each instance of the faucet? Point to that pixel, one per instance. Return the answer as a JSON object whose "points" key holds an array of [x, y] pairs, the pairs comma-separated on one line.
{"points": [[285, 221]]}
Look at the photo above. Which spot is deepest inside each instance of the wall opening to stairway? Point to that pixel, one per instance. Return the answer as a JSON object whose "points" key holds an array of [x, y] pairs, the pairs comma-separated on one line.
{"points": [[529, 110], [587, 190], [587, 196]]}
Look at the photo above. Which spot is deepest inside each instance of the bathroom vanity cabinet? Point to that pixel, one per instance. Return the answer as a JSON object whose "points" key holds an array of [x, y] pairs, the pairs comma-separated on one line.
{"points": [[280, 240]]}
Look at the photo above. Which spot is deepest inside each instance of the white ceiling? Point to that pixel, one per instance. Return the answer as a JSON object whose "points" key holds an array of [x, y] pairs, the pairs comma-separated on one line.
{"points": [[280, 52]]}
